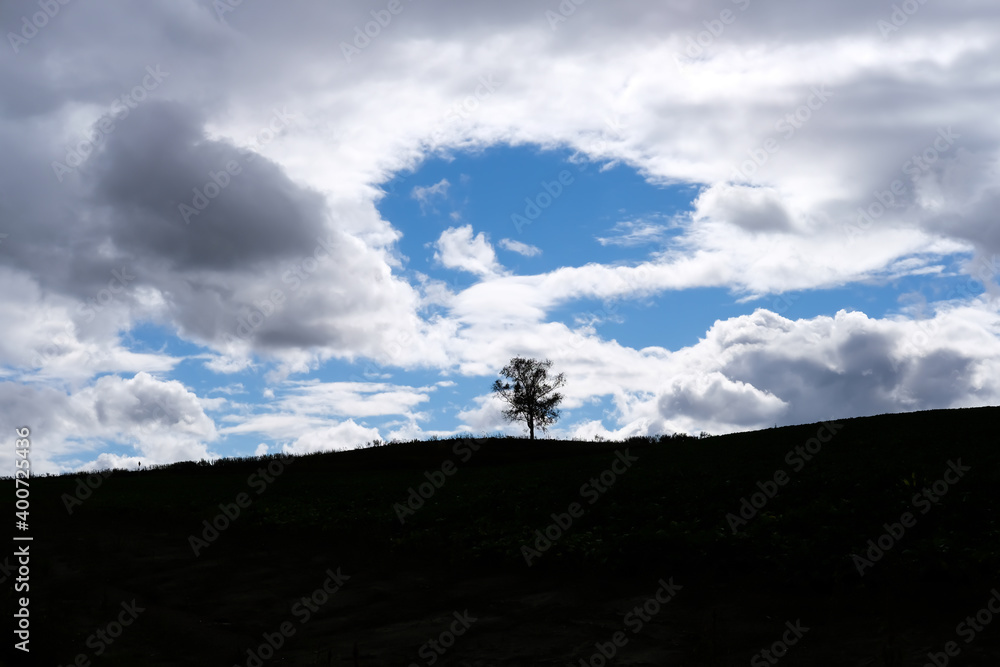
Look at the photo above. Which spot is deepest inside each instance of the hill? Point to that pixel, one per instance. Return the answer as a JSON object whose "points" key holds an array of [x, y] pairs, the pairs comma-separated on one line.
{"points": [[861, 541]]}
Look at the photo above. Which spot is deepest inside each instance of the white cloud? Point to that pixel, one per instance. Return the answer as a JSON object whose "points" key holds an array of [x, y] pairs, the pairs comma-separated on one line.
{"points": [[426, 194], [642, 231], [50, 338], [594, 429], [344, 435], [360, 399], [230, 389], [457, 248], [520, 248], [486, 417], [306, 416], [160, 420], [229, 364], [165, 420]]}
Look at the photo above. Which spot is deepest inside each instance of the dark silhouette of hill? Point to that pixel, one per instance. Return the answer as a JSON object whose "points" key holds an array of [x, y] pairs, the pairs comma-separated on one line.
{"points": [[548, 544]]}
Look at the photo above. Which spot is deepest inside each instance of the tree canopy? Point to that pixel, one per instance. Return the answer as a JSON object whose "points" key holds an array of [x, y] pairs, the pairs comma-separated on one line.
{"points": [[530, 393]]}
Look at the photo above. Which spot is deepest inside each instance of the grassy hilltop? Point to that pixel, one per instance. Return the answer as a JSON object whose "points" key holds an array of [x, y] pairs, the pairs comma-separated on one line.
{"points": [[843, 526]]}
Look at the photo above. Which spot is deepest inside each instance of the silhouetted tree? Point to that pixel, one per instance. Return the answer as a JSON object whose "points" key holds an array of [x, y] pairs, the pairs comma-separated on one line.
{"points": [[529, 392]]}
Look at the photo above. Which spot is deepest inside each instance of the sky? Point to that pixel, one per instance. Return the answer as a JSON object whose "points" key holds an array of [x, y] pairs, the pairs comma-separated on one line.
{"points": [[233, 228]]}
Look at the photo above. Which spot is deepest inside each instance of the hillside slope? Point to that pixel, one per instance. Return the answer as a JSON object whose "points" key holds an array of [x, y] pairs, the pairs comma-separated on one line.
{"points": [[880, 534]]}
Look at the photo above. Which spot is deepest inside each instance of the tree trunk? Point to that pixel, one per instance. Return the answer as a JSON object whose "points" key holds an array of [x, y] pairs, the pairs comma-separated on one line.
{"points": [[531, 427]]}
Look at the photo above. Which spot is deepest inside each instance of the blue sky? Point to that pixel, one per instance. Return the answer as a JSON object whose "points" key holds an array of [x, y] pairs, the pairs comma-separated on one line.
{"points": [[374, 220]]}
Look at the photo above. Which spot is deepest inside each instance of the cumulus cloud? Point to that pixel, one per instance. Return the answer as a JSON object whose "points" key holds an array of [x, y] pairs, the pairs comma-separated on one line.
{"points": [[753, 209], [345, 435], [714, 397], [51, 337], [457, 248], [486, 417], [161, 421], [753, 370]]}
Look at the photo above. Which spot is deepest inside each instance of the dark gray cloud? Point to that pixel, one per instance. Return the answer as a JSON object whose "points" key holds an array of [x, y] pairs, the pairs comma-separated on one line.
{"points": [[121, 212], [856, 374], [715, 398], [171, 194]]}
